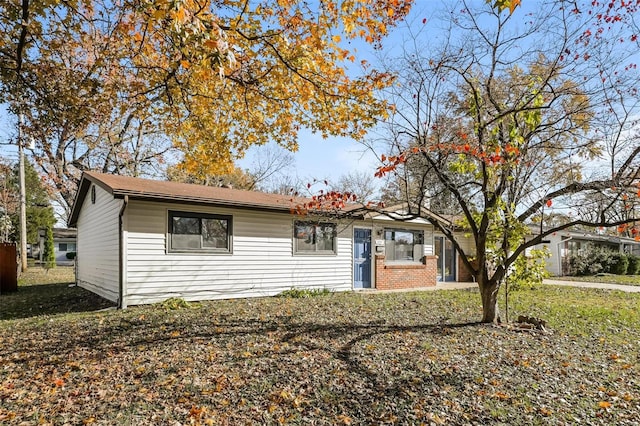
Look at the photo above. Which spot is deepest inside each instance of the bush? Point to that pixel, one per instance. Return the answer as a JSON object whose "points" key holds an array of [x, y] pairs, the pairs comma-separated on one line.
{"points": [[71, 255], [529, 271], [175, 303], [591, 261], [634, 265], [619, 264], [303, 293]]}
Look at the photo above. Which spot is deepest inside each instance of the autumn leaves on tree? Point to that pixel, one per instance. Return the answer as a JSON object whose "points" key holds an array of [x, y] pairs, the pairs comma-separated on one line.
{"points": [[115, 86]]}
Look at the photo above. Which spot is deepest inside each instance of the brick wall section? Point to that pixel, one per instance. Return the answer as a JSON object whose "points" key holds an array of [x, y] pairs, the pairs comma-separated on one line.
{"points": [[390, 277], [464, 275]]}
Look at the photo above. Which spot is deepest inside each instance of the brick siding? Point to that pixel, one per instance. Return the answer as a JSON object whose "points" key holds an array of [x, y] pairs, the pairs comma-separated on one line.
{"points": [[464, 275], [394, 276]]}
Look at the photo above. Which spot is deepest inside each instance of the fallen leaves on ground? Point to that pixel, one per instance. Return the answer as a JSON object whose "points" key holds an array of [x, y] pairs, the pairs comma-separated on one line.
{"points": [[348, 359]]}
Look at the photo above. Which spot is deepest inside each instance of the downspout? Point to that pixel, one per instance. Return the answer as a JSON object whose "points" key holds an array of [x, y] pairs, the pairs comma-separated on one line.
{"points": [[121, 304]]}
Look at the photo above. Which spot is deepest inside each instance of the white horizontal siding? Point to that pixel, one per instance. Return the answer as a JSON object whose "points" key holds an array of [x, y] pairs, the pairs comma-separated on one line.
{"points": [[98, 245], [262, 262], [467, 243]]}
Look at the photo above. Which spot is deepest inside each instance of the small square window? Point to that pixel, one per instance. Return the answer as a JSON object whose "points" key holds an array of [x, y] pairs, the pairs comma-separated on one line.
{"points": [[314, 237], [199, 232]]}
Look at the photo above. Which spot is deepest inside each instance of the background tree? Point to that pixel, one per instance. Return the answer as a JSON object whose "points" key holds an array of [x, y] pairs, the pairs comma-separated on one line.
{"points": [[39, 210], [235, 178], [38, 207], [8, 197], [270, 169], [358, 183], [8, 201], [503, 112], [49, 256]]}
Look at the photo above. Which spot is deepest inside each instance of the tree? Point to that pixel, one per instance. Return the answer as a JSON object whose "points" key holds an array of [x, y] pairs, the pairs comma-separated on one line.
{"points": [[358, 183], [49, 256], [505, 115], [113, 86], [236, 178], [38, 209], [266, 173], [8, 196], [8, 202]]}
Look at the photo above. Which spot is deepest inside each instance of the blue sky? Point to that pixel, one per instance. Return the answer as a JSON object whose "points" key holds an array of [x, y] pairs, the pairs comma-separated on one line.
{"points": [[6, 132]]}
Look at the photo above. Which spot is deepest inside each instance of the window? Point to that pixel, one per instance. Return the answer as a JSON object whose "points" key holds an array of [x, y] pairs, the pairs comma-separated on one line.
{"points": [[314, 237], [199, 232], [66, 246], [403, 245]]}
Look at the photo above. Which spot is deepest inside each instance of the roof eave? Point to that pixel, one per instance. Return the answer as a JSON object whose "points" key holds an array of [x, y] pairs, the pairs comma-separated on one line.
{"points": [[144, 196]]}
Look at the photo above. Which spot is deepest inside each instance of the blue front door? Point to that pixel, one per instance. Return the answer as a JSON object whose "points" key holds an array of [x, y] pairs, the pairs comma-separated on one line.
{"points": [[361, 258]]}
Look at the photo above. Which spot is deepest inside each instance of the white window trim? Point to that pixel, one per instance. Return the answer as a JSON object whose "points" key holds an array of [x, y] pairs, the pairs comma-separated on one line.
{"points": [[403, 261], [333, 252], [202, 250]]}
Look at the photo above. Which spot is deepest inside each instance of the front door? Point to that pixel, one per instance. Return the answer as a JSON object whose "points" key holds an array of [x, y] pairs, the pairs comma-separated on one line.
{"points": [[361, 258]]}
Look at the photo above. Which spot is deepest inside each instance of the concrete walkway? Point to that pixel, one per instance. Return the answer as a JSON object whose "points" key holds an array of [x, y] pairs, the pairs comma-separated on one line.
{"points": [[606, 286], [472, 286]]}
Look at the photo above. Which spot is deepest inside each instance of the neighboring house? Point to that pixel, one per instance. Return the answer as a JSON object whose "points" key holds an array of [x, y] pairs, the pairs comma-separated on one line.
{"points": [[142, 241], [563, 244], [64, 242]]}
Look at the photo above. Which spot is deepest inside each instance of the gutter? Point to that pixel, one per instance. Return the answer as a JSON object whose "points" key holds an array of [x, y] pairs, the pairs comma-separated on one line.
{"points": [[121, 302]]}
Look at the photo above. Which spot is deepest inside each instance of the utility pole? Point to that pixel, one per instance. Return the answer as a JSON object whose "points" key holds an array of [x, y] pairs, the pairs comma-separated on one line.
{"points": [[20, 51], [23, 197]]}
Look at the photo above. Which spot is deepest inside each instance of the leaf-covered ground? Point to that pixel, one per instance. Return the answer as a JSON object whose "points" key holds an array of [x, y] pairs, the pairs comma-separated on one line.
{"points": [[402, 358]]}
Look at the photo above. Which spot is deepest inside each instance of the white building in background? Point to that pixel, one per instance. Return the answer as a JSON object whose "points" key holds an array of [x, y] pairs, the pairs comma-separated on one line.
{"points": [[563, 244], [64, 245]]}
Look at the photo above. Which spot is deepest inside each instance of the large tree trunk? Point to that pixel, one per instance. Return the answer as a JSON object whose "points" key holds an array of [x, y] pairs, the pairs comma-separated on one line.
{"points": [[489, 294]]}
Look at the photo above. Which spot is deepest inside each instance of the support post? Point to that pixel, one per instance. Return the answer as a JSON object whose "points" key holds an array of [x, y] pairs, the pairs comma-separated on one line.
{"points": [[23, 197]]}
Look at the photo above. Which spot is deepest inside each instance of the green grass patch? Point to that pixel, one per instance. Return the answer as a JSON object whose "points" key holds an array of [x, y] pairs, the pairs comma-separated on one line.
{"points": [[36, 275], [41, 292], [580, 312]]}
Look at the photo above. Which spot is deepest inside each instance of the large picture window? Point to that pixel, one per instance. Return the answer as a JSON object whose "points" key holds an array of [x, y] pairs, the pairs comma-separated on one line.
{"points": [[402, 245], [314, 237], [199, 232]]}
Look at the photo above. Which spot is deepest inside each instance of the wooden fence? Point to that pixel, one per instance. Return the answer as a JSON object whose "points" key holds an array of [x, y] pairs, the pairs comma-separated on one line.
{"points": [[8, 268]]}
